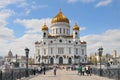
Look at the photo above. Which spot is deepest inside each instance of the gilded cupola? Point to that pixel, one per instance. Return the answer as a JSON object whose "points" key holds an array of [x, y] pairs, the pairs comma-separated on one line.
{"points": [[75, 27], [44, 27], [60, 17]]}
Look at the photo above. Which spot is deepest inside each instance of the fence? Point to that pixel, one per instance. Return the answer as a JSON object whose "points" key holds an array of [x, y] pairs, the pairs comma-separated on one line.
{"points": [[113, 73], [14, 74]]}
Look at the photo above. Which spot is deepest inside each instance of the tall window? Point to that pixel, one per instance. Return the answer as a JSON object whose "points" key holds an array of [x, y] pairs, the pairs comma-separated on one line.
{"points": [[67, 31], [64, 30], [44, 51], [69, 50], [51, 50], [60, 30], [38, 51], [76, 50], [60, 50], [53, 31], [56, 31], [82, 51]]}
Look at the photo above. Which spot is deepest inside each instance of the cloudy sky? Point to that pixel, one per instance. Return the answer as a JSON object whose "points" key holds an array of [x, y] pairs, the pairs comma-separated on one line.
{"points": [[21, 22]]}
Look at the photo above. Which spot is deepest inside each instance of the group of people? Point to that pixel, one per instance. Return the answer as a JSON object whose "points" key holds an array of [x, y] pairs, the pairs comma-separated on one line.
{"points": [[82, 70], [43, 70]]}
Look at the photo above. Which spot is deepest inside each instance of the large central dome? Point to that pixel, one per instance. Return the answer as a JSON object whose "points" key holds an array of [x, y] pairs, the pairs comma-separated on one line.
{"points": [[60, 17]]}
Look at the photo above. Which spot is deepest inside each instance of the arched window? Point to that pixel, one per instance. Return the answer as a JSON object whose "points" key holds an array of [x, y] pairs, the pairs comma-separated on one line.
{"points": [[75, 33], [44, 35], [60, 60]]}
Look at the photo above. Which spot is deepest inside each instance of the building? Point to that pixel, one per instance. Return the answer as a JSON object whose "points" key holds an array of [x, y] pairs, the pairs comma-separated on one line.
{"points": [[60, 46]]}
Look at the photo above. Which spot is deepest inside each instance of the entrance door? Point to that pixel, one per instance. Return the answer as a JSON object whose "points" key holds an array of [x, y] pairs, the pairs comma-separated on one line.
{"points": [[51, 61], [69, 61], [60, 60]]}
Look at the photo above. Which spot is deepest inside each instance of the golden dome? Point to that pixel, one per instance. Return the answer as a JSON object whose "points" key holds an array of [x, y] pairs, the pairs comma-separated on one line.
{"points": [[60, 17], [75, 27], [44, 27]]}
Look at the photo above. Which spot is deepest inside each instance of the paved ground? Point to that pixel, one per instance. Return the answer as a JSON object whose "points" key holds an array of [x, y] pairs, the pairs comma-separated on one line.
{"points": [[66, 75]]}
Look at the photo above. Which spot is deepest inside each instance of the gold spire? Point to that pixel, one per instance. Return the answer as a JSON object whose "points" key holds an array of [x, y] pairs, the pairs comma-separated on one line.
{"points": [[44, 27], [60, 17], [75, 27]]}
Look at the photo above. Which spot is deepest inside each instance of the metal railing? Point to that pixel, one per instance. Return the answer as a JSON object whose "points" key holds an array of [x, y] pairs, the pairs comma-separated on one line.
{"points": [[113, 73], [14, 74]]}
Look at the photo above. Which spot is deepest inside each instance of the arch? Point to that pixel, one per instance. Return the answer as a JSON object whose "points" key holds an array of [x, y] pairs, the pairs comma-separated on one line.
{"points": [[60, 60], [44, 34], [51, 61], [69, 60]]}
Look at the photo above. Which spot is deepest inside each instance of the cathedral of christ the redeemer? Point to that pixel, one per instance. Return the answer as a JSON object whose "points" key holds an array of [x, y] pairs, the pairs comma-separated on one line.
{"points": [[60, 46]]}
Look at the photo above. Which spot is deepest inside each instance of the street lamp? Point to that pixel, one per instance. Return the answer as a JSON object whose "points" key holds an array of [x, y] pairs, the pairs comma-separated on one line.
{"points": [[90, 60], [79, 60], [100, 51], [27, 53], [85, 58], [16, 65]]}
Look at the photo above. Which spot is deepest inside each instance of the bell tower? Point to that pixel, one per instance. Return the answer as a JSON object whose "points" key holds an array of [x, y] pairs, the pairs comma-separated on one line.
{"points": [[75, 32]]}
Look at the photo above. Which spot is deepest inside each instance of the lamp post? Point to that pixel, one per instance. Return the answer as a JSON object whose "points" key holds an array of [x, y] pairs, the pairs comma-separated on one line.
{"points": [[90, 60], [39, 59], [100, 51], [79, 60], [16, 65], [85, 58], [27, 53]]}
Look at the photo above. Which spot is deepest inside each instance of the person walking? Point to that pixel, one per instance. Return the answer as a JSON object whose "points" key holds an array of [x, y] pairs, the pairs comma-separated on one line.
{"points": [[79, 70], [44, 70], [83, 70], [86, 70], [55, 69]]}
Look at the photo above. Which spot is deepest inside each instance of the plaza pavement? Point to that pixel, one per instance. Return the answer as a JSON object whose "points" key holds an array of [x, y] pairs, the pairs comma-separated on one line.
{"points": [[66, 75]]}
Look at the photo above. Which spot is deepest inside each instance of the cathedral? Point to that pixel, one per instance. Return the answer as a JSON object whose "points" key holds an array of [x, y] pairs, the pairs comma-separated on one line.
{"points": [[60, 46]]}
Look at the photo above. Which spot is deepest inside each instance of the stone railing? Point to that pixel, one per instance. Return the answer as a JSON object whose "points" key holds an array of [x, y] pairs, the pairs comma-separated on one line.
{"points": [[113, 73]]}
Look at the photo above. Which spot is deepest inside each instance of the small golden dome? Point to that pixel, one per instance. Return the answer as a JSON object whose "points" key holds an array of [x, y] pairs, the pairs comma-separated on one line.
{"points": [[75, 27], [60, 17], [44, 27]]}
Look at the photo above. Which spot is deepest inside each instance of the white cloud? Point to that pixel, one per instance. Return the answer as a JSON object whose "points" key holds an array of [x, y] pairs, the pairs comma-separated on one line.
{"points": [[109, 40], [6, 34], [29, 7], [103, 3], [83, 1], [5, 3], [33, 25], [82, 28]]}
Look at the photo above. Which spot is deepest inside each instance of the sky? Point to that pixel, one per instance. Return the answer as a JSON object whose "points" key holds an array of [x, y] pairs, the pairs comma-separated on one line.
{"points": [[21, 22]]}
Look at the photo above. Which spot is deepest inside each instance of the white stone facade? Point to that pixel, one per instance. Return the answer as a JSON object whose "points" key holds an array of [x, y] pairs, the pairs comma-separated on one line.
{"points": [[59, 46]]}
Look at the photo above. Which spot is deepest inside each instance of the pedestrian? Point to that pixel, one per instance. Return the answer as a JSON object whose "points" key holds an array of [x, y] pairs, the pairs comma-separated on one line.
{"points": [[34, 71], [55, 69], [83, 70], [90, 70], [86, 70], [44, 70], [79, 70]]}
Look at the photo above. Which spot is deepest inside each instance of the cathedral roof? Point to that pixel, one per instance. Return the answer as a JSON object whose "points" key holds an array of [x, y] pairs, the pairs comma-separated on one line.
{"points": [[60, 17], [44, 27], [75, 27], [9, 55]]}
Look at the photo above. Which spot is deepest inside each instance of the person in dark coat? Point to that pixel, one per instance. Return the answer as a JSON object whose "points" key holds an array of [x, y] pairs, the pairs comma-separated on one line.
{"points": [[44, 70]]}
